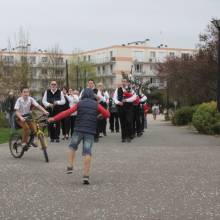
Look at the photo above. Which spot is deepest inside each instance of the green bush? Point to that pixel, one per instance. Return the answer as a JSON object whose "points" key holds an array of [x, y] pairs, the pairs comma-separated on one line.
{"points": [[184, 115], [206, 119], [3, 120]]}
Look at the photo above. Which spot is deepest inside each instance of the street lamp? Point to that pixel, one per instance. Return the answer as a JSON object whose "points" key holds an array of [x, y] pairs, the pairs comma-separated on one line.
{"points": [[217, 25]]}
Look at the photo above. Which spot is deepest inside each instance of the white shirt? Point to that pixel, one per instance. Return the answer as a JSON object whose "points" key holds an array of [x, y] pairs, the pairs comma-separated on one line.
{"points": [[60, 102], [131, 99], [24, 106], [73, 100], [104, 97]]}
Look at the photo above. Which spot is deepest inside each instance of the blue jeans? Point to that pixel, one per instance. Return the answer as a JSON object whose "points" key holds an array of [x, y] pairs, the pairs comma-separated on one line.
{"points": [[87, 139]]}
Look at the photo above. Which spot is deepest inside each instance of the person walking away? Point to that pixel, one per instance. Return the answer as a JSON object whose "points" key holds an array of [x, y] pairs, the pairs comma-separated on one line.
{"points": [[52, 100], [155, 111], [85, 129]]}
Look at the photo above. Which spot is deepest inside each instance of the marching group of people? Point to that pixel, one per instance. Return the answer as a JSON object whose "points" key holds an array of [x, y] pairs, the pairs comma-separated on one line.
{"points": [[83, 116]]}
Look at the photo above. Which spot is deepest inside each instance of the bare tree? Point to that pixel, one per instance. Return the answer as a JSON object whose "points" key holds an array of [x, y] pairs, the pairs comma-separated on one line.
{"points": [[192, 81], [15, 70]]}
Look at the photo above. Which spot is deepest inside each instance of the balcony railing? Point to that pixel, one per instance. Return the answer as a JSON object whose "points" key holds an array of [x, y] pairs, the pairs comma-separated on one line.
{"points": [[103, 60]]}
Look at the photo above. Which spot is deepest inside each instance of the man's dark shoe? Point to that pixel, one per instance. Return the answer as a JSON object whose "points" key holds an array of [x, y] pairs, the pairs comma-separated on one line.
{"points": [[128, 140], [104, 133], [117, 131], [96, 140], [112, 131], [139, 134], [86, 180], [51, 140], [69, 170], [123, 140], [57, 140]]}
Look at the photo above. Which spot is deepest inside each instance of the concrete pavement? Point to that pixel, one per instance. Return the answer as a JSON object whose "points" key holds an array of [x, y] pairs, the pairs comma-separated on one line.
{"points": [[169, 173]]}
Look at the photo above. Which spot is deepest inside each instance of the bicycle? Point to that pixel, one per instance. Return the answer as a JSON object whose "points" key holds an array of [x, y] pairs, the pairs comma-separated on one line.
{"points": [[15, 140]]}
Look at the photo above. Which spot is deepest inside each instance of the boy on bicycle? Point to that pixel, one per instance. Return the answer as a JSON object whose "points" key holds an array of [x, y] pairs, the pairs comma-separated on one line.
{"points": [[23, 108]]}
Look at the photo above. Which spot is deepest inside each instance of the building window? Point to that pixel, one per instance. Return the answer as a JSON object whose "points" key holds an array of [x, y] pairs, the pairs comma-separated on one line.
{"points": [[111, 68], [103, 69], [44, 71], [9, 59], [138, 68], [32, 60], [138, 55], [111, 53], [99, 70], [151, 67], [89, 57], [172, 54], [185, 56], [152, 54], [59, 60], [23, 59], [44, 59]]}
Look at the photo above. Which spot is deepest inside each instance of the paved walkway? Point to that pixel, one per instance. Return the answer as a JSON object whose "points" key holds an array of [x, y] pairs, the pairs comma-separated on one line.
{"points": [[169, 173]]}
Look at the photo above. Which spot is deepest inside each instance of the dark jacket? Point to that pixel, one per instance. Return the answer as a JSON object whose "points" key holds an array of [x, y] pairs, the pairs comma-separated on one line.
{"points": [[86, 119]]}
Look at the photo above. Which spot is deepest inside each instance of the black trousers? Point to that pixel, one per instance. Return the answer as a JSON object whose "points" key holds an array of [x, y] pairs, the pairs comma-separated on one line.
{"points": [[137, 120], [142, 119], [65, 125], [54, 130], [113, 120], [102, 122], [72, 124], [126, 120]]}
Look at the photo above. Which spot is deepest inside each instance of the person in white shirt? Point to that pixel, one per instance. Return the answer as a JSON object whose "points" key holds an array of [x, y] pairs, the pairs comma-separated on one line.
{"points": [[73, 99], [23, 108], [103, 99], [53, 98], [124, 97]]}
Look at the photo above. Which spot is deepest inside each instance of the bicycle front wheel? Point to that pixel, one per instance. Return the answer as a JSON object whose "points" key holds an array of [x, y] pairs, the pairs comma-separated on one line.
{"points": [[43, 146], [15, 146]]}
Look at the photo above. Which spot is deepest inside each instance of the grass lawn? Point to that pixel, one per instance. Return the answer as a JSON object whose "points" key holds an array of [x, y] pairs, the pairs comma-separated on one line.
{"points": [[4, 135]]}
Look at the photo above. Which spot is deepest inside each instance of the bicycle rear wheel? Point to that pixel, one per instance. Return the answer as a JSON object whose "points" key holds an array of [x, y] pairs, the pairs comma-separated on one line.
{"points": [[15, 146], [43, 146]]}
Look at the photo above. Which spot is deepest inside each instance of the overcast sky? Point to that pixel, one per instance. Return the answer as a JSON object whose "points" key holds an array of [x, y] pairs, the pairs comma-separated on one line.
{"points": [[89, 24]]}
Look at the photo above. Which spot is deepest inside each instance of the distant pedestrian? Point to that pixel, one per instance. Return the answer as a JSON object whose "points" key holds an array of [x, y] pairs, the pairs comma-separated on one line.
{"points": [[8, 107]]}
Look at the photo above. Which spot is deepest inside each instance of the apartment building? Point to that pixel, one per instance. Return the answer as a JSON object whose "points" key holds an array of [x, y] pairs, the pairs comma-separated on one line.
{"points": [[136, 58], [42, 67]]}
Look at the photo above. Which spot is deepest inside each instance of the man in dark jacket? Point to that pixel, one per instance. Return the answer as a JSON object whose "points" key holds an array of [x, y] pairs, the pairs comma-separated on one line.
{"points": [[52, 100], [8, 107], [85, 129]]}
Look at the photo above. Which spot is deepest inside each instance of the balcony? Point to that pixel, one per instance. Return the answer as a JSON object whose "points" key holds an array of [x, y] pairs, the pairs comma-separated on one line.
{"points": [[104, 60]]}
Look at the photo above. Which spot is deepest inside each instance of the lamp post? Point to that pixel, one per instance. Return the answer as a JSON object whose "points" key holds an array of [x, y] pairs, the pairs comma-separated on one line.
{"points": [[217, 25], [67, 74]]}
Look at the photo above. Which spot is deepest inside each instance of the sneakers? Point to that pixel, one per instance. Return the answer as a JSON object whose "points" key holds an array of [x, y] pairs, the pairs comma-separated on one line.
{"points": [[25, 147], [69, 170], [86, 180]]}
